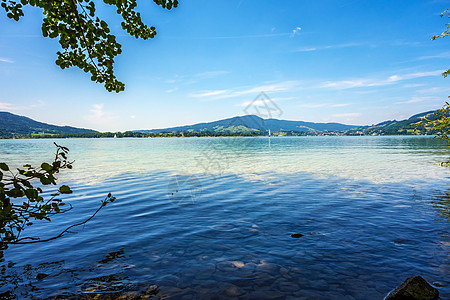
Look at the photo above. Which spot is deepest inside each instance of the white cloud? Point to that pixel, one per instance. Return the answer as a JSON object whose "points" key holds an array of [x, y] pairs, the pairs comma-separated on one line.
{"points": [[208, 93], [263, 102], [394, 78], [440, 55], [373, 82], [99, 116], [6, 60], [10, 106], [344, 84], [7, 106], [340, 104], [312, 105], [295, 31], [211, 74], [275, 87], [98, 110], [419, 99], [431, 90], [243, 91], [317, 48], [257, 102], [321, 105], [192, 78], [346, 115], [251, 36], [424, 74], [175, 79], [307, 49], [132, 117], [412, 85]]}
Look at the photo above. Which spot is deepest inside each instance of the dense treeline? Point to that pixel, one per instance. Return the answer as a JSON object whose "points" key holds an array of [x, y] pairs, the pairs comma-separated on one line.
{"points": [[367, 130], [131, 134]]}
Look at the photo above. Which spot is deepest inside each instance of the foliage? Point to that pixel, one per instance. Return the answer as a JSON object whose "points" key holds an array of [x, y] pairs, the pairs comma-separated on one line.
{"points": [[444, 34], [132, 134], [85, 39], [21, 203], [440, 124], [441, 121]]}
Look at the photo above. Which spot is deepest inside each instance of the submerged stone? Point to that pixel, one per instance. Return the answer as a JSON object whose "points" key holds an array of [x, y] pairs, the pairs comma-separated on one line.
{"points": [[238, 264], [414, 288], [41, 276], [233, 290], [438, 284], [296, 235]]}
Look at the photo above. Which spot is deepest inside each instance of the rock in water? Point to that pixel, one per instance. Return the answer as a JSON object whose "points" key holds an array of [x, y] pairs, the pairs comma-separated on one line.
{"points": [[414, 288], [296, 235], [41, 276]]}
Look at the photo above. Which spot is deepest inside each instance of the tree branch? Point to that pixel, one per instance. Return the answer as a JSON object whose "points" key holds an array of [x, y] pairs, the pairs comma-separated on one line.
{"points": [[38, 240]]}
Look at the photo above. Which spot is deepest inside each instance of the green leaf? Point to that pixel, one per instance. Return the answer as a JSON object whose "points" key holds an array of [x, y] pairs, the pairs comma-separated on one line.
{"points": [[28, 173], [4, 167], [15, 193], [64, 189], [46, 167], [31, 193], [45, 180]]}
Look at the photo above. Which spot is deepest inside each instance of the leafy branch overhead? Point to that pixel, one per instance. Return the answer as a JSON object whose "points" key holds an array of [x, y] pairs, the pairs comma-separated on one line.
{"points": [[444, 34], [86, 40], [22, 204], [440, 122]]}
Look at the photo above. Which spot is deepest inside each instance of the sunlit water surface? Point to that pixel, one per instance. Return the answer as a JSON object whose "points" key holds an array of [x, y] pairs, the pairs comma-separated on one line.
{"points": [[212, 218]]}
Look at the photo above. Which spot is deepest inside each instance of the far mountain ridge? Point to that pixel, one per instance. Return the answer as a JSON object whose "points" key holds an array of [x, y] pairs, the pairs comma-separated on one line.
{"points": [[256, 124], [12, 125], [15, 125], [421, 115], [253, 123]]}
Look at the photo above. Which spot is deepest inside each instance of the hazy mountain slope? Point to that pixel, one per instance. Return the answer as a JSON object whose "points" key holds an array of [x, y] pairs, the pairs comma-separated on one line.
{"points": [[254, 123], [394, 127], [11, 124]]}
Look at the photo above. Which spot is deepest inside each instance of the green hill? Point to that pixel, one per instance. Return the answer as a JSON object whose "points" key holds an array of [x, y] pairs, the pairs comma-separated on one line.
{"points": [[255, 124], [14, 125], [252, 123], [394, 127]]}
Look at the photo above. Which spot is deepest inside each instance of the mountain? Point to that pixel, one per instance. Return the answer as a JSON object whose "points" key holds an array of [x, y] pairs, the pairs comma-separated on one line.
{"points": [[14, 125], [421, 115], [252, 123], [394, 127]]}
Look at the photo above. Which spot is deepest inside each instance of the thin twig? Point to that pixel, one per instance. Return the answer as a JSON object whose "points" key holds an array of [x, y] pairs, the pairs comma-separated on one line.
{"points": [[37, 240]]}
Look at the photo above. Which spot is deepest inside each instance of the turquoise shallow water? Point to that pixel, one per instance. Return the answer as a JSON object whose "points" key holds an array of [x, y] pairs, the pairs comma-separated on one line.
{"points": [[212, 218]]}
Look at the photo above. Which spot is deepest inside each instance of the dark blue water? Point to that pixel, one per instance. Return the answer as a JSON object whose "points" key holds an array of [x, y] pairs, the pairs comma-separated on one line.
{"points": [[372, 212]]}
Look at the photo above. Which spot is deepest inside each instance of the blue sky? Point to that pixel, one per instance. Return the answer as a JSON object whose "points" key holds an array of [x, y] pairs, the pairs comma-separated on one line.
{"points": [[354, 62]]}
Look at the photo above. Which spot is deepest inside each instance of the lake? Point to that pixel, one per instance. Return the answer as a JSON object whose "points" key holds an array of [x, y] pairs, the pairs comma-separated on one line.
{"points": [[212, 218]]}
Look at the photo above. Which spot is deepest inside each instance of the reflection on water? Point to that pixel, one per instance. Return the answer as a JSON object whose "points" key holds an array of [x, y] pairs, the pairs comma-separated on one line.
{"points": [[441, 204], [372, 211]]}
